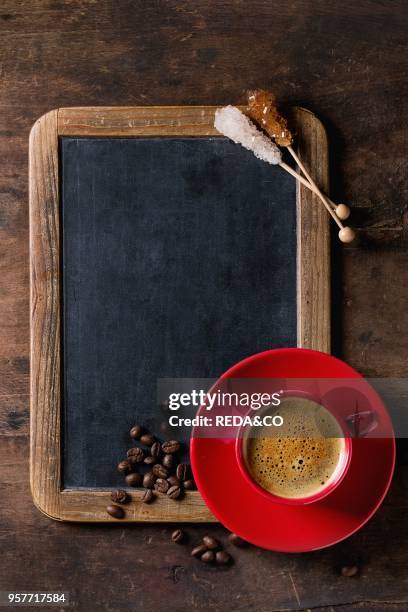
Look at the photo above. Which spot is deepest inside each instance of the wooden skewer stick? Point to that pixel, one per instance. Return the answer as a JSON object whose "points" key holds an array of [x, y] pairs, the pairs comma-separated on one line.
{"points": [[297, 176], [234, 124], [342, 211], [305, 182], [305, 172], [315, 190], [346, 234]]}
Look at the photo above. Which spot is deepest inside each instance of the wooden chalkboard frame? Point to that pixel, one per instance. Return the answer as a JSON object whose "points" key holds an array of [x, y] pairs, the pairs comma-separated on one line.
{"points": [[313, 289]]}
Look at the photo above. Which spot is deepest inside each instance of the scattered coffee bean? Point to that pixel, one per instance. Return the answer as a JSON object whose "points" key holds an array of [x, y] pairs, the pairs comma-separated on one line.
{"points": [[174, 492], [124, 467], [182, 471], [148, 496], [173, 481], [208, 556], [119, 496], [210, 542], [136, 432], [160, 471], [179, 536], [198, 550], [349, 571], [134, 480], [189, 485], [161, 485], [236, 540], [155, 449], [135, 455], [170, 447], [149, 460], [115, 511], [147, 439], [222, 557], [148, 480], [168, 461]]}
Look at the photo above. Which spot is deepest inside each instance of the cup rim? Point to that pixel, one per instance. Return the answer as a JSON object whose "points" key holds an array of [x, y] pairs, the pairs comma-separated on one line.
{"points": [[296, 501]]}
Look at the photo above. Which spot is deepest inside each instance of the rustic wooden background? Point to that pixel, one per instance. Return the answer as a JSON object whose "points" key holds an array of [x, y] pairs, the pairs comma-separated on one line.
{"points": [[347, 61]]}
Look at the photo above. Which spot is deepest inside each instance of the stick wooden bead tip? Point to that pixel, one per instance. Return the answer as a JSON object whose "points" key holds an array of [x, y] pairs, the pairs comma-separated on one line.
{"points": [[342, 211], [346, 234]]}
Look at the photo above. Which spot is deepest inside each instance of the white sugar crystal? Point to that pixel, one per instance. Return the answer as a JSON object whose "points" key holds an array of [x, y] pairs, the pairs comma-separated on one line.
{"points": [[231, 122]]}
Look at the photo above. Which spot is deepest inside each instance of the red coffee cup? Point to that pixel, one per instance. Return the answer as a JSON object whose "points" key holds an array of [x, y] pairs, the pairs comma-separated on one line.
{"points": [[335, 478]]}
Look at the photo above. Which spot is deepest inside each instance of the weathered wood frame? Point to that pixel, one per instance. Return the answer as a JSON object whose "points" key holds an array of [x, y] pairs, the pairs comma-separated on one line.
{"points": [[313, 289]]}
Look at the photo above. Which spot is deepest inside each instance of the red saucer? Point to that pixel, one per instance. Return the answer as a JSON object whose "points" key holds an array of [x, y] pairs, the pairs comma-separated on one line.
{"points": [[282, 527]]}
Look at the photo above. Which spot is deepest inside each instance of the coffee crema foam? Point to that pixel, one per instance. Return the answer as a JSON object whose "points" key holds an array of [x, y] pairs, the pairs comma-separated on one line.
{"points": [[301, 457]]}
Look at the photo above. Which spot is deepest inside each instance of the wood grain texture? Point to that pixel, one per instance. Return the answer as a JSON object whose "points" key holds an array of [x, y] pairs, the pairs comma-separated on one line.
{"points": [[45, 468], [137, 121], [313, 233], [348, 62], [45, 254], [89, 506]]}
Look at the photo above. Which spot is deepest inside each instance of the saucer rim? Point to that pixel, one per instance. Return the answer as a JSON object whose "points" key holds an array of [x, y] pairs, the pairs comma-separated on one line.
{"points": [[212, 507], [353, 374]]}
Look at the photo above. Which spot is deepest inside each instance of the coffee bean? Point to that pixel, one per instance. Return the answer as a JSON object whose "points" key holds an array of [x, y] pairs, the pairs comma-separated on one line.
{"points": [[161, 485], [133, 462], [189, 485], [134, 480], [349, 571], [182, 471], [124, 467], [174, 492], [222, 557], [136, 432], [148, 480], [198, 550], [168, 461], [155, 449], [135, 455], [173, 481], [236, 540], [147, 439], [208, 556], [148, 496], [149, 460], [210, 542], [179, 536], [170, 447], [120, 496], [160, 471], [115, 511]]}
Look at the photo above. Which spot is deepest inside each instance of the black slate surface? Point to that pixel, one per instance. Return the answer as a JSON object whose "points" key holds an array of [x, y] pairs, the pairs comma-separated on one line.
{"points": [[178, 261]]}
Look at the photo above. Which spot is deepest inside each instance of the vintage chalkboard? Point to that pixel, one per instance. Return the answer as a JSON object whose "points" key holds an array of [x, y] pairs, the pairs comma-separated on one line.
{"points": [[158, 250]]}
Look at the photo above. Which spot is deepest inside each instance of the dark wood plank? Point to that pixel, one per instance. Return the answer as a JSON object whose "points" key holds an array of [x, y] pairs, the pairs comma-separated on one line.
{"points": [[347, 62], [145, 567], [374, 314]]}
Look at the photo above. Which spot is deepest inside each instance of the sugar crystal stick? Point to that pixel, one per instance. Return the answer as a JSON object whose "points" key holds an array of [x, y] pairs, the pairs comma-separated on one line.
{"points": [[263, 109], [231, 122]]}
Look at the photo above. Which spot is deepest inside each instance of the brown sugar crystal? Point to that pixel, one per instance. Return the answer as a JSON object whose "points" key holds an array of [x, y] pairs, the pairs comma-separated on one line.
{"points": [[263, 110]]}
